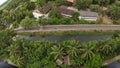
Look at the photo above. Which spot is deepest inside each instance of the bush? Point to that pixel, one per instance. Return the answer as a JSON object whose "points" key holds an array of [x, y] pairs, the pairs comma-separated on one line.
{"points": [[95, 62], [95, 8]]}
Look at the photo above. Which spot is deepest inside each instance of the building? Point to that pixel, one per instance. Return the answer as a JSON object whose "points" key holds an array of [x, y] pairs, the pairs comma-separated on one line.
{"points": [[37, 14], [44, 12], [88, 15], [46, 9], [65, 11], [70, 1]]}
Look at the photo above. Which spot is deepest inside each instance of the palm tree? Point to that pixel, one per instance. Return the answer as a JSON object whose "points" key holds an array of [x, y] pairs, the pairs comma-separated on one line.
{"points": [[87, 50], [72, 48], [106, 46], [57, 52]]}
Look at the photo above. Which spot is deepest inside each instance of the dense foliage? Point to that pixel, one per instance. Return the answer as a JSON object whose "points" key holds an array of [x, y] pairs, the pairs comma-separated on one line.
{"points": [[36, 54], [17, 11]]}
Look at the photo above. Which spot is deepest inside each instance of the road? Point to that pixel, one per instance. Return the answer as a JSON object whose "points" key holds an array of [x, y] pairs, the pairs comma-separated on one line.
{"points": [[70, 27], [117, 58]]}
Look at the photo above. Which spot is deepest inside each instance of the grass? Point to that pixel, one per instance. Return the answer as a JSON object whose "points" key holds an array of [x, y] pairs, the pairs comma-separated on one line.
{"points": [[5, 4]]}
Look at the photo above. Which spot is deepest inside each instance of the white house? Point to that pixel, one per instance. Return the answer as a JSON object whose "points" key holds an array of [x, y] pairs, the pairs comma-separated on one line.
{"points": [[37, 14], [88, 15], [44, 12]]}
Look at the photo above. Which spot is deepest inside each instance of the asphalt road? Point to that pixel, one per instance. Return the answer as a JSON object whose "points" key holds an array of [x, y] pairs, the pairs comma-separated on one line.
{"points": [[70, 27]]}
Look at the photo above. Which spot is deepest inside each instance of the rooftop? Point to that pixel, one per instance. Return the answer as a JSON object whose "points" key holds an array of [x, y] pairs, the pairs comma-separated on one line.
{"points": [[64, 9], [70, 1], [88, 14], [46, 9]]}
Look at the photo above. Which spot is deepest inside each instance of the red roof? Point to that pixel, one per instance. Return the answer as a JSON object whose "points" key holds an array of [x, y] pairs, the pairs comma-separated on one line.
{"points": [[63, 9], [104, 8], [70, 1]]}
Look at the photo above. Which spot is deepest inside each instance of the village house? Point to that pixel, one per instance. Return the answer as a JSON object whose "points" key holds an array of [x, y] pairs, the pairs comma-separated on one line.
{"points": [[70, 1], [65, 11], [37, 13], [44, 12], [88, 15]]}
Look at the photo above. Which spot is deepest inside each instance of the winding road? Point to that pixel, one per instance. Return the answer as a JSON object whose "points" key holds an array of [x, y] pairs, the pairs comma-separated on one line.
{"points": [[69, 27]]}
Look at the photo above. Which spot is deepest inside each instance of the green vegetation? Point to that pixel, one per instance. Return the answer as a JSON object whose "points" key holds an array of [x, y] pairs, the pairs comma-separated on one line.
{"points": [[5, 4], [28, 22], [17, 11], [25, 53], [36, 54], [114, 12], [82, 4]]}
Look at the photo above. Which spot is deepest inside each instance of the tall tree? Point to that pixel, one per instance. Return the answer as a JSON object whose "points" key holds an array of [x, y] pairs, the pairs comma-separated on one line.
{"points": [[87, 51], [114, 12], [57, 52], [28, 23], [82, 4]]}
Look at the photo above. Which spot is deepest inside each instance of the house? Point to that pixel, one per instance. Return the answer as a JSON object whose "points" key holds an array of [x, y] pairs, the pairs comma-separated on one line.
{"points": [[33, 0], [46, 9], [67, 60], [37, 14], [44, 12], [71, 1], [88, 15], [104, 8], [65, 11], [113, 65], [72, 8], [59, 61]]}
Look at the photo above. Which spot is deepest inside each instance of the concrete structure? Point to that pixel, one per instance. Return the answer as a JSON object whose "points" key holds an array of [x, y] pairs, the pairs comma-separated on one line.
{"points": [[88, 15]]}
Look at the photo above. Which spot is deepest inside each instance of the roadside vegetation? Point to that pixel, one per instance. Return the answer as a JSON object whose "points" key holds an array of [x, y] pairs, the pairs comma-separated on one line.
{"points": [[35, 54]]}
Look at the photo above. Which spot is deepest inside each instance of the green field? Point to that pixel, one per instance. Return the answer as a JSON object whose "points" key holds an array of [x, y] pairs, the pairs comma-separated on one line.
{"points": [[5, 4]]}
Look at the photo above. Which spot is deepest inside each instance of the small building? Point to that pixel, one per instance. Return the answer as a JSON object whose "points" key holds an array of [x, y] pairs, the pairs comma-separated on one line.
{"points": [[46, 9], [65, 11], [44, 12], [104, 8], [70, 1], [59, 61], [88, 15], [37, 14]]}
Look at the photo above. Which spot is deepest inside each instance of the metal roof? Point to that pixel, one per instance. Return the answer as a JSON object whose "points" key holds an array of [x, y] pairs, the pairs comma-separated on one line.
{"points": [[46, 9], [64, 9], [88, 14]]}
